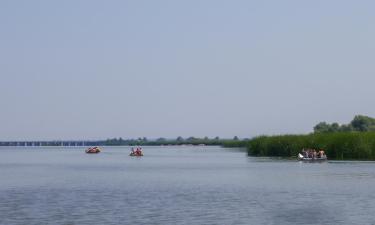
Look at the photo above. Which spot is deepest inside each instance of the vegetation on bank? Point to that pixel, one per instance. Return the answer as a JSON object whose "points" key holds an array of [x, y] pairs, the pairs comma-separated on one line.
{"points": [[353, 141], [341, 145]]}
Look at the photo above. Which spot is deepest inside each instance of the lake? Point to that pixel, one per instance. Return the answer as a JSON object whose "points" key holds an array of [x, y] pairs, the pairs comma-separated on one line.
{"points": [[179, 185]]}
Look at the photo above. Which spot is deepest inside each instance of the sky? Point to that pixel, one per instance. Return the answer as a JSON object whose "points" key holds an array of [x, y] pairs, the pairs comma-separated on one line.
{"points": [[100, 69]]}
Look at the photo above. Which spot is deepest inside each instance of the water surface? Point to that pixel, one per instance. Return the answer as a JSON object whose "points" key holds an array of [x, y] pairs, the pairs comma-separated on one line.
{"points": [[179, 185]]}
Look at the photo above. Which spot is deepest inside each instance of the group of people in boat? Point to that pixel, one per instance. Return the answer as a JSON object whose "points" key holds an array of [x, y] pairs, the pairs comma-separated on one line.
{"points": [[136, 151], [313, 153], [93, 150]]}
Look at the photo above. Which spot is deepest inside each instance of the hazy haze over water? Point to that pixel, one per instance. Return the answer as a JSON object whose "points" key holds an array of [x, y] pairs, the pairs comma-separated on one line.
{"points": [[97, 69]]}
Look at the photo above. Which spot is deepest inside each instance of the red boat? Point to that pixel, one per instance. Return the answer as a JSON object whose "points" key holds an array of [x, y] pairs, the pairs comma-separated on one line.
{"points": [[136, 152], [93, 150]]}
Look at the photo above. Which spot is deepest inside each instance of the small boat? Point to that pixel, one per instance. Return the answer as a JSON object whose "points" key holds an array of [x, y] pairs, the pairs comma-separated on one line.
{"points": [[137, 152], [93, 150], [303, 158]]}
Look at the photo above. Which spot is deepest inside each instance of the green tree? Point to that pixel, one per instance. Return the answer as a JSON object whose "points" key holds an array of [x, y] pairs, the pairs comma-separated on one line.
{"points": [[161, 139], [322, 127], [190, 139], [363, 123], [179, 139], [346, 128], [334, 127]]}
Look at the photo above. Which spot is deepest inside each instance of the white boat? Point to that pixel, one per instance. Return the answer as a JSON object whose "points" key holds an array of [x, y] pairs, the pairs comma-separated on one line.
{"points": [[303, 158]]}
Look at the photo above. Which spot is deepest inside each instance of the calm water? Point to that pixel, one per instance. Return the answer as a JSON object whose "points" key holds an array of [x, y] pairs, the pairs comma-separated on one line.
{"points": [[180, 185]]}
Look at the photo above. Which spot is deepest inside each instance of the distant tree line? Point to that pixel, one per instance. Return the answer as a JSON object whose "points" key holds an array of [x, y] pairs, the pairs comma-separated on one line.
{"points": [[235, 142], [359, 123], [178, 141]]}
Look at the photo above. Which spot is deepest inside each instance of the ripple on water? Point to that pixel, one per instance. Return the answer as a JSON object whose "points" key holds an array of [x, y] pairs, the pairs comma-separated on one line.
{"points": [[187, 187]]}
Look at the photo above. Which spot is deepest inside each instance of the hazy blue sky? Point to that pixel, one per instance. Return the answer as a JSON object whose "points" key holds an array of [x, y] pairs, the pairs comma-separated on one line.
{"points": [[99, 69]]}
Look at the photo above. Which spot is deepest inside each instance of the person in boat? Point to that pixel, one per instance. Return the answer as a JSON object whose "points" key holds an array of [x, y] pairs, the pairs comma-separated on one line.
{"points": [[138, 151], [307, 152], [321, 153], [314, 154]]}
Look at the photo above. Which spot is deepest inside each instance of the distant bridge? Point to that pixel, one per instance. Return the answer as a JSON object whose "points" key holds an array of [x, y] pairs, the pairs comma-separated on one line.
{"points": [[50, 143]]}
